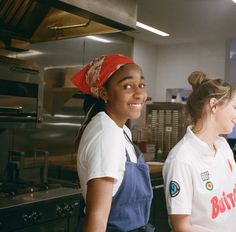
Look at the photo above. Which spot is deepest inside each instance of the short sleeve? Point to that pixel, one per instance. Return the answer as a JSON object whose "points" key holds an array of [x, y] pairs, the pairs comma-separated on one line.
{"points": [[178, 187], [105, 156]]}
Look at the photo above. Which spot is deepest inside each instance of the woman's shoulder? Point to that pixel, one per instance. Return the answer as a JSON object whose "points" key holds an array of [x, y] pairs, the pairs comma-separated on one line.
{"points": [[101, 127], [224, 145], [222, 142], [127, 131], [101, 122], [181, 152]]}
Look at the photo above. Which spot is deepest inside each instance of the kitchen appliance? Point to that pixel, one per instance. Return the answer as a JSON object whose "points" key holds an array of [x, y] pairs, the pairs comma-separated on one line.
{"points": [[21, 91], [56, 209], [31, 21], [166, 123]]}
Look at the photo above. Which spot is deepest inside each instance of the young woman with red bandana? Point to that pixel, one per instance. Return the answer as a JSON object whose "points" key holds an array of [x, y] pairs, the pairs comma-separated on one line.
{"points": [[114, 178], [200, 172]]}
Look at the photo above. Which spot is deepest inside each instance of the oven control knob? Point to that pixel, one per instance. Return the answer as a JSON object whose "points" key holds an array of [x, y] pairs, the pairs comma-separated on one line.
{"points": [[60, 211], [68, 210], [36, 217], [26, 217], [39, 217]]}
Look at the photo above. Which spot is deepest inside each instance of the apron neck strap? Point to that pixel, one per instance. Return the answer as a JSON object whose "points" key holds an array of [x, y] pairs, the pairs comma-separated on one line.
{"points": [[137, 153]]}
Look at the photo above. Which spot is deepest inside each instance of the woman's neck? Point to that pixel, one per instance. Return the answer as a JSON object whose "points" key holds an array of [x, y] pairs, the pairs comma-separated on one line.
{"points": [[207, 135], [120, 122]]}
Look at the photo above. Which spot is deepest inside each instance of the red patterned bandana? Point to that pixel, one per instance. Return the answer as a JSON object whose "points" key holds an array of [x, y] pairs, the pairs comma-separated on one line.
{"points": [[93, 75]]}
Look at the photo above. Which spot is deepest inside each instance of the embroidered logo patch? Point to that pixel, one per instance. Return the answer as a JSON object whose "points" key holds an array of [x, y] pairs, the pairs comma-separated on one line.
{"points": [[174, 188], [209, 185], [205, 176]]}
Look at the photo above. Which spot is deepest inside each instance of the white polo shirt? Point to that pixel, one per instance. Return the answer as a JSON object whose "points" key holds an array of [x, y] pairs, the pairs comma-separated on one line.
{"points": [[202, 185]]}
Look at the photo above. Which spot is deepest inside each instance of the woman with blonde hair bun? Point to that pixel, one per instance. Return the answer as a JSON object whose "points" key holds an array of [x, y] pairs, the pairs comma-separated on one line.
{"points": [[200, 171]]}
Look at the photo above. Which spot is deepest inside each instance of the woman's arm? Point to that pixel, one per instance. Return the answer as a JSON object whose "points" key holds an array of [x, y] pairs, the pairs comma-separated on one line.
{"points": [[182, 223], [98, 204]]}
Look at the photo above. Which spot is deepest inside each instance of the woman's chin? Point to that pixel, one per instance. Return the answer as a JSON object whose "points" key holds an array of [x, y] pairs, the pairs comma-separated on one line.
{"points": [[135, 116], [227, 131]]}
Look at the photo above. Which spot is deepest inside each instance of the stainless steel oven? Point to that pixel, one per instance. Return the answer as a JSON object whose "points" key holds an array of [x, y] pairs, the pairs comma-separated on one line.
{"points": [[21, 91]]}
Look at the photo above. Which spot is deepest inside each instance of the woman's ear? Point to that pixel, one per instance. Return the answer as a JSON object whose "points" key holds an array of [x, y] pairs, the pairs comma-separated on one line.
{"points": [[103, 94], [213, 103]]}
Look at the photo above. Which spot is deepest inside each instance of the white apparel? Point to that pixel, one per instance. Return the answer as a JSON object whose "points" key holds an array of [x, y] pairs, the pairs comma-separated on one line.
{"points": [[202, 185], [102, 151]]}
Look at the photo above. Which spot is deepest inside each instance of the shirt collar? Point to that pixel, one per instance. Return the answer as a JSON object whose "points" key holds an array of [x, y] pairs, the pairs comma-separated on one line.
{"points": [[200, 145]]}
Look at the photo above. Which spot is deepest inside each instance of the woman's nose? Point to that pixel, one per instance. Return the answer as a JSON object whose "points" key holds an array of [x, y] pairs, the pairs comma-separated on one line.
{"points": [[140, 92]]}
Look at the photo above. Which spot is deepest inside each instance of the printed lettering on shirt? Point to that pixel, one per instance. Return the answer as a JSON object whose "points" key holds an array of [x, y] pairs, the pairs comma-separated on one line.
{"points": [[174, 188], [223, 203], [205, 176], [230, 166]]}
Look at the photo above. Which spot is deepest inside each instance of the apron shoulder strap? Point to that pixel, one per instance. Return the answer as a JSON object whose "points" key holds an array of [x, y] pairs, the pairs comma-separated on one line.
{"points": [[136, 149], [127, 155]]}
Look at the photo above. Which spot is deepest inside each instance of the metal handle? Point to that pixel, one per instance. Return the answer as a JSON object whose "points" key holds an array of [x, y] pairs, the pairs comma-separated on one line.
{"points": [[158, 186], [18, 108], [55, 28]]}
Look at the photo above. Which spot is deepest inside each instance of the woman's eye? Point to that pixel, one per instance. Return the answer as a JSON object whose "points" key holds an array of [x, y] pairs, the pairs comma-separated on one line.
{"points": [[142, 86], [127, 86]]}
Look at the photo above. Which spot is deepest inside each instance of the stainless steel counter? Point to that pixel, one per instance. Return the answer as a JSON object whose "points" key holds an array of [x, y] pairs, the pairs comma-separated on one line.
{"points": [[29, 198]]}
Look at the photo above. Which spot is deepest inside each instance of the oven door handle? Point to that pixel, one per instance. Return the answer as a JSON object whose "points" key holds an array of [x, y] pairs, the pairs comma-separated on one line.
{"points": [[13, 110]]}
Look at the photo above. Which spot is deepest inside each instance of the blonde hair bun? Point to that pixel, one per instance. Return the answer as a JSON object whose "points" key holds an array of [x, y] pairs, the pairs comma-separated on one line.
{"points": [[196, 78], [204, 88]]}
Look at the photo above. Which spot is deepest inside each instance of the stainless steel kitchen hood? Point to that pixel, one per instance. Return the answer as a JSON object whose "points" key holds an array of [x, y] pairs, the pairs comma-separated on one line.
{"points": [[30, 21]]}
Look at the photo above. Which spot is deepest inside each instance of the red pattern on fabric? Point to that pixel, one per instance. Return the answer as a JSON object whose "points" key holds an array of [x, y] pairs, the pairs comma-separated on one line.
{"points": [[93, 75], [230, 166]]}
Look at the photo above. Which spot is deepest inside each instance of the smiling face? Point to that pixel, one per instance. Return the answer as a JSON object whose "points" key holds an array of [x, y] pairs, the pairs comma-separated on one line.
{"points": [[125, 94], [225, 116]]}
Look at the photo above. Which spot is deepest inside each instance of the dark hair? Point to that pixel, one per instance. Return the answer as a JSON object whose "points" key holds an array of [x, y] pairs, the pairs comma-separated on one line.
{"points": [[204, 88], [91, 107]]}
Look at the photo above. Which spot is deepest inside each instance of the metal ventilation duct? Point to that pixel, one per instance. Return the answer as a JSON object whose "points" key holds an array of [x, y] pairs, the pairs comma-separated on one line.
{"points": [[29, 21]]}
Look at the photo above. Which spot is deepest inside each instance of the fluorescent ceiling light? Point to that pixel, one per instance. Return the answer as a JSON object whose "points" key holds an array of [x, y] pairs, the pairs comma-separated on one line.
{"points": [[152, 29], [234, 1], [98, 39]]}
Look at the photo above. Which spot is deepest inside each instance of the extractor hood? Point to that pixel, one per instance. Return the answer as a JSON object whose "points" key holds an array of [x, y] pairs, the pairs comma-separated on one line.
{"points": [[30, 21]]}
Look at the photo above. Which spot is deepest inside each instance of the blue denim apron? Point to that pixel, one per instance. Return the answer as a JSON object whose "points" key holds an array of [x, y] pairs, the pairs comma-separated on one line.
{"points": [[130, 208]]}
